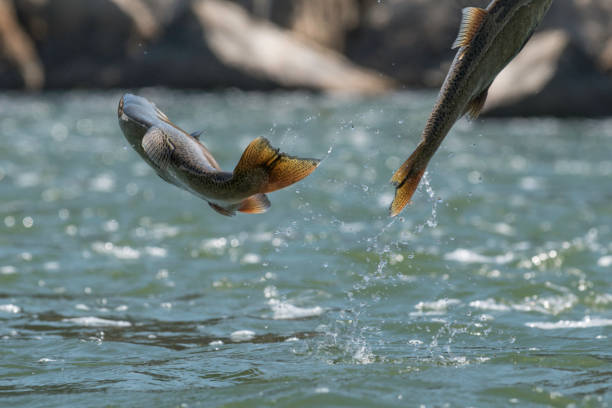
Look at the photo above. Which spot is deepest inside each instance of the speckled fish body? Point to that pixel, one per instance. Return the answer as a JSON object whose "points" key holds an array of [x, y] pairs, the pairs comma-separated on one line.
{"points": [[181, 159], [488, 40]]}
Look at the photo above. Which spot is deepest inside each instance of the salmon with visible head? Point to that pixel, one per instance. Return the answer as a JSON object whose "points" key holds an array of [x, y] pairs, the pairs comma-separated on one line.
{"points": [[488, 40], [181, 159]]}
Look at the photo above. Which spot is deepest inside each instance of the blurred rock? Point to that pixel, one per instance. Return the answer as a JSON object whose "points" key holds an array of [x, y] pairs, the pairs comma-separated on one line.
{"points": [[87, 43], [409, 40], [265, 51], [551, 76], [325, 21], [588, 24], [314, 44], [20, 66]]}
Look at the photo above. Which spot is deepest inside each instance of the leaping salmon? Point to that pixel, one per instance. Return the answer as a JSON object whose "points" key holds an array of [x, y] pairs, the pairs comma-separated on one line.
{"points": [[488, 40], [181, 159]]}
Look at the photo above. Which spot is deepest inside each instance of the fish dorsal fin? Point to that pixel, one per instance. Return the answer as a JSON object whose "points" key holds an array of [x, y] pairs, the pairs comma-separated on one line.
{"points": [[228, 212], [472, 110], [197, 134], [281, 169], [157, 147], [470, 23], [255, 204]]}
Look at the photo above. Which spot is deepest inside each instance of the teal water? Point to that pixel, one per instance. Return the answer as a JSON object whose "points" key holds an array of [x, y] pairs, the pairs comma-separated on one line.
{"points": [[116, 289]]}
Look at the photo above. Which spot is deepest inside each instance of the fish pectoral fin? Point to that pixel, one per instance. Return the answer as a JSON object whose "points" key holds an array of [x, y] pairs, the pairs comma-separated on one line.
{"points": [[470, 23], [406, 179], [255, 204], [157, 146], [228, 212], [197, 134], [472, 110], [281, 169]]}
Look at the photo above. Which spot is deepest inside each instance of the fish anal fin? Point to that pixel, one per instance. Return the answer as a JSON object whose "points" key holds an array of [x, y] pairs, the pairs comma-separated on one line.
{"points": [[157, 147], [472, 110], [470, 23], [255, 204], [222, 210], [281, 170], [197, 134], [406, 179]]}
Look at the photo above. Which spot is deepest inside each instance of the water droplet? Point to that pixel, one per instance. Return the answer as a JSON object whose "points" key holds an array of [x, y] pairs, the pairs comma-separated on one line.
{"points": [[9, 221], [28, 222]]}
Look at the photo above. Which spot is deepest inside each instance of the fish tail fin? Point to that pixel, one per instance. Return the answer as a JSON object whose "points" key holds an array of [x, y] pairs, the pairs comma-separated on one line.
{"points": [[255, 204], [281, 170], [407, 178]]}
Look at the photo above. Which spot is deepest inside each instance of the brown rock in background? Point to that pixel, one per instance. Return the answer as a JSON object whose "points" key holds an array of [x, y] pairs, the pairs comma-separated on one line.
{"points": [[408, 40], [313, 44], [19, 62], [266, 51], [552, 75], [85, 43]]}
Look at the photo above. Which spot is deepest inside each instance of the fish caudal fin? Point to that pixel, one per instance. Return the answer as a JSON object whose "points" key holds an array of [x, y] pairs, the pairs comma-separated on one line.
{"points": [[255, 204], [407, 178], [281, 169]]}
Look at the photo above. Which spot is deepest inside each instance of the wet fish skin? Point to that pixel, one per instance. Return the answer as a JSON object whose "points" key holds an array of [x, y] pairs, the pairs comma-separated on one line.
{"points": [[488, 40], [181, 159]]}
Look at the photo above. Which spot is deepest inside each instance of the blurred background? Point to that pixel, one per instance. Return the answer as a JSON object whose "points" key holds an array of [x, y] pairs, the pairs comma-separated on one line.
{"points": [[360, 46]]}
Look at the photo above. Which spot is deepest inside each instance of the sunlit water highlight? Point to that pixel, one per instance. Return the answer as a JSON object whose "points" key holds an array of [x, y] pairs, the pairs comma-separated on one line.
{"points": [[493, 288]]}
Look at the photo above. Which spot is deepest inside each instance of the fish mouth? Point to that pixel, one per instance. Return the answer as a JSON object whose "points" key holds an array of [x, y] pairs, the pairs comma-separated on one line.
{"points": [[137, 110]]}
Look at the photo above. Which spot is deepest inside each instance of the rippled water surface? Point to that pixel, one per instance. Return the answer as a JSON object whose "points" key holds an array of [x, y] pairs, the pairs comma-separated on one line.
{"points": [[116, 289]]}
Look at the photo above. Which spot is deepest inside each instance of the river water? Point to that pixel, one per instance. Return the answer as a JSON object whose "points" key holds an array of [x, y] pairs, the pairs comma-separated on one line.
{"points": [[117, 289]]}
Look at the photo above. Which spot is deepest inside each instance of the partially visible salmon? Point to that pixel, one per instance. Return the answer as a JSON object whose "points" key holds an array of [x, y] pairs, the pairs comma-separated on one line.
{"points": [[488, 40]]}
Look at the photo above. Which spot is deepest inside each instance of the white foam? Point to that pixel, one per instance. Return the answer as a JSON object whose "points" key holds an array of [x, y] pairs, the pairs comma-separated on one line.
{"points": [[604, 299], [489, 304], [436, 307], [250, 259], [605, 261], [46, 360], [547, 305], [363, 355], [10, 308], [571, 324], [92, 321], [287, 311], [156, 252], [120, 252], [214, 243], [242, 335], [270, 291], [468, 256], [8, 270]]}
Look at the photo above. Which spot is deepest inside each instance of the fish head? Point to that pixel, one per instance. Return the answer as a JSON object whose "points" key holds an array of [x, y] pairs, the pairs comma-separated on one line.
{"points": [[136, 115]]}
